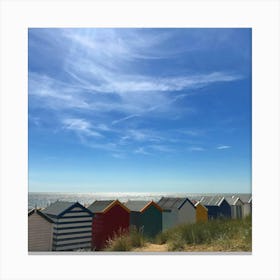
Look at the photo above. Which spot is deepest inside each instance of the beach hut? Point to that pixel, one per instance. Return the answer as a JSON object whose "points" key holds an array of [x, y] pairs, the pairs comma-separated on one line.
{"points": [[236, 206], [201, 211], [145, 216], [176, 210], [247, 204], [110, 217], [217, 207], [72, 225], [40, 231]]}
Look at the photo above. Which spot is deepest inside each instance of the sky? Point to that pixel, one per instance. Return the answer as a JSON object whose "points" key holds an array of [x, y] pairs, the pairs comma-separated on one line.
{"points": [[139, 110]]}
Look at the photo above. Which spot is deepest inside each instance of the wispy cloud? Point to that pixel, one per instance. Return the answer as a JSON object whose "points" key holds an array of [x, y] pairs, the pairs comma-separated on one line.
{"points": [[161, 148], [124, 119], [35, 120], [118, 155], [107, 94], [108, 81], [149, 92], [196, 149], [223, 147], [102, 79], [103, 127], [103, 146], [80, 126], [193, 132], [140, 135], [142, 151], [114, 43], [49, 92]]}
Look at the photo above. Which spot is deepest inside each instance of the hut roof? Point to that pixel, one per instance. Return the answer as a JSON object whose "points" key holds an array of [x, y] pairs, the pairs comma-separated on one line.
{"points": [[232, 200], [194, 202], [44, 216], [196, 197], [246, 198], [56, 208], [136, 205], [102, 206], [197, 202], [140, 205], [212, 200], [170, 203], [99, 205]]}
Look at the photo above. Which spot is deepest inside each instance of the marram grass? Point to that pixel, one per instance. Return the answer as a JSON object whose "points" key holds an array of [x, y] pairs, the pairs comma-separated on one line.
{"points": [[211, 236], [126, 241], [226, 234]]}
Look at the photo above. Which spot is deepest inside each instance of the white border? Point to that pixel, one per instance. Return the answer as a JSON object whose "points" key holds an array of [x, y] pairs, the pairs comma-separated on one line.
{"points": [[262, 16]]}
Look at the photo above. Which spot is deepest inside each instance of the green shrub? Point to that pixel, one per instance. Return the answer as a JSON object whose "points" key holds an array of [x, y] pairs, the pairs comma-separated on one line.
{"points": [[122, 243], [125, 241], [136, 237], [161, 238], [119, 242], [226, 233], [176, 243]]}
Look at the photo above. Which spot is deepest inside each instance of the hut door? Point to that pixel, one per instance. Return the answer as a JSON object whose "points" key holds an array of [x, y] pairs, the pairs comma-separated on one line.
{"points": [[238, 212]]}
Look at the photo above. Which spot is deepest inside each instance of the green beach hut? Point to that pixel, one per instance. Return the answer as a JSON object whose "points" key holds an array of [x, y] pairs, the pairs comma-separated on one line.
{"points": [[145, 216]]}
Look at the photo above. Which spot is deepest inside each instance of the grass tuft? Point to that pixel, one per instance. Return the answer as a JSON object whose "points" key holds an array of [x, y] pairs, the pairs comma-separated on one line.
{"points": [[126, 241]]}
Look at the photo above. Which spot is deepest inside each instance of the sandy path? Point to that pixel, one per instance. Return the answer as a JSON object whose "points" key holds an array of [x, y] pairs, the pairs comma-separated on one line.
{"points": [[149, 247]]}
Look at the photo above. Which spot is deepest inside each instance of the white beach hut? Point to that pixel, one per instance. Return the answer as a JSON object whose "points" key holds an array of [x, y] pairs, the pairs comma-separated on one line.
{"points": [[176, 210], [247, 203], [236, 206]]}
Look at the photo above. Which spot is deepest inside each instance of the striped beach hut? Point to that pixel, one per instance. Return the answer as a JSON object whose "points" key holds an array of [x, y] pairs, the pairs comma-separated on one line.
{"points": [[110, 217], [145, 216], [217, 207], [72, 225], [176, 210], [236, 205], [201, 211], [40, 231]]}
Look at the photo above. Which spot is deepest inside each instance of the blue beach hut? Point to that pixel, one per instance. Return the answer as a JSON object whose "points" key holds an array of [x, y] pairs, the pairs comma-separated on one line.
{"points": [[217, 207]]}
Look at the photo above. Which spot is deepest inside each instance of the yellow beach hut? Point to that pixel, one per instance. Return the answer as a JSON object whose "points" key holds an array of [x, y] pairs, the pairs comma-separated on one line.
{"points": [[201, 211]]}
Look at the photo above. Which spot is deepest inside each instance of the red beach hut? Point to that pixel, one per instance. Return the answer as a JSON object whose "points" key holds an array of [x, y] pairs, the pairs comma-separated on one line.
{"points": [[110, 216]]}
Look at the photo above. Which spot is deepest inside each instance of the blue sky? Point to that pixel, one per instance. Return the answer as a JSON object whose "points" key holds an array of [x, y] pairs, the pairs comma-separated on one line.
{"points": [[140, 110]]}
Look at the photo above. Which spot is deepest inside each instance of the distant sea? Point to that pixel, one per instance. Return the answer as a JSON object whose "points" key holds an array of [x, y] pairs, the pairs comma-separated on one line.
{"points": [[43, 199]]}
